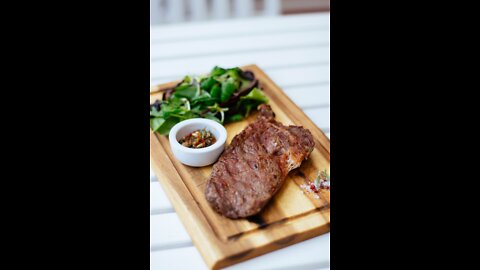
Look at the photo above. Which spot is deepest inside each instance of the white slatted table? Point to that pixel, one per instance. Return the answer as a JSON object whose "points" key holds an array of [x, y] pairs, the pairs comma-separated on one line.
{"points": [[295, 52]]}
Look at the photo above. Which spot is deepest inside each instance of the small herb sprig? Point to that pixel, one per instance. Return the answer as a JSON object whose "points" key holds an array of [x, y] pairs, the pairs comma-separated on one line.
{"points": [[322, 180]]}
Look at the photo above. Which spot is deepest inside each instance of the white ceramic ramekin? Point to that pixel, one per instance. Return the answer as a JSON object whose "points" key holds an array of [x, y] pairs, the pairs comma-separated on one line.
{"points": [[202, 156]]}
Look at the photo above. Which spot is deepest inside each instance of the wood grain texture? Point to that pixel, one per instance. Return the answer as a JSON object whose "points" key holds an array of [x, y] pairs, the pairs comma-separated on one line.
{"points": [[290, 217]]}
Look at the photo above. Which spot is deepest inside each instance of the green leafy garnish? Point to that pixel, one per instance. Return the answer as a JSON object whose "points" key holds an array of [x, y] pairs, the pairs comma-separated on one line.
{"points": [[255, 95], [207, 83], [187, 91], [249, 102], [235, 117], [217, 71], [228, 88], [156, 123], [216, 91], [164, 129], [223, 95]]}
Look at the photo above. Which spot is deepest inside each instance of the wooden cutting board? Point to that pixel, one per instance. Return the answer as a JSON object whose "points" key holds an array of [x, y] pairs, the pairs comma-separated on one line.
{"points": [[290, 217]]}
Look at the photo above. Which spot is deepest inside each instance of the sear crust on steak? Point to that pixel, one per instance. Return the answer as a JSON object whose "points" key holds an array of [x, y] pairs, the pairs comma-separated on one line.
{"points": [[254, 166]]}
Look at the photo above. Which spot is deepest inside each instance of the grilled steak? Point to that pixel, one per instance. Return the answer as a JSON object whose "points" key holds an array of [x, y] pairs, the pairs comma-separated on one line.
{"points": [[254, 166]]}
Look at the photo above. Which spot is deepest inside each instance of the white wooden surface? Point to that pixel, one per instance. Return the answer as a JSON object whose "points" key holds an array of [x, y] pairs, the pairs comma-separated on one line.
{"points": [[174, 11], [294, 52]]}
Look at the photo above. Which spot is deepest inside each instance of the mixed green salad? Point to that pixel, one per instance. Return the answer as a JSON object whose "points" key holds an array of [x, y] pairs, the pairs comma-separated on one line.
{"points": [[223, 95]]}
